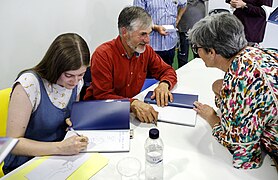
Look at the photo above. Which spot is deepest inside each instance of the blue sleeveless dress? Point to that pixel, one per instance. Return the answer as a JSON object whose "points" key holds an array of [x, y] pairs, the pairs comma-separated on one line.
{"points": [[46, 124]]}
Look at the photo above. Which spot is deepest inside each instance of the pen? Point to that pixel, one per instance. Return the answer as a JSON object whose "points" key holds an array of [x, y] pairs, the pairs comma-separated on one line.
{"points": [[71, 129]]}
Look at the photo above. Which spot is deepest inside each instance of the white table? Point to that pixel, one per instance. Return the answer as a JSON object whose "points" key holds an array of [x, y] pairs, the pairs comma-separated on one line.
{"points": [[189, 152]]}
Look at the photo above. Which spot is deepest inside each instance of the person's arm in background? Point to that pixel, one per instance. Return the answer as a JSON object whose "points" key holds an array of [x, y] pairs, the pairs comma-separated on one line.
{"points": [[250, 7], [181, 11], [20, 109], [160, 29]]}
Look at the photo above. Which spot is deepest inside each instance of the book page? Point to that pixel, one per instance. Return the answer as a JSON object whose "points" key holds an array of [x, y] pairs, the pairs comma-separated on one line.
{"points": [[57, 167], [105, 140], [176, 115]]}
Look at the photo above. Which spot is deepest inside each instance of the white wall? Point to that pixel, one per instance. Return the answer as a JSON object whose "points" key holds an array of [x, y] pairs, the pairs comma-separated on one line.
{"points": [[27, 27]]}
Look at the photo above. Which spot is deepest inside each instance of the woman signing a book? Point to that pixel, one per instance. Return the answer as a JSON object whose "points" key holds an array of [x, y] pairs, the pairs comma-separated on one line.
{"points": [[247, 95], [41, 101]]}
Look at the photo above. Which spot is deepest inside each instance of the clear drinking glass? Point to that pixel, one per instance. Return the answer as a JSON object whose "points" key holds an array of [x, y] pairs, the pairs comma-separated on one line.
{"points": [[129, 168]]}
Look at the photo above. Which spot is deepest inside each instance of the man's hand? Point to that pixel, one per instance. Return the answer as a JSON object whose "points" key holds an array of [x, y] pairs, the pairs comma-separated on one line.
{"points": [[160, 29], [162, 94], [144, 112], [237, 3]]}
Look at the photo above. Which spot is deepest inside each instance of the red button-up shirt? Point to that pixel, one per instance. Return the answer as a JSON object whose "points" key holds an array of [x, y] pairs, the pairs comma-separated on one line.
{"points": [[115, 76]]}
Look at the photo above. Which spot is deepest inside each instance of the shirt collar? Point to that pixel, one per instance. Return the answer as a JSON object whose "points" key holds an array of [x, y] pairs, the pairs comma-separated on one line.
{"points": [[122, 50]]}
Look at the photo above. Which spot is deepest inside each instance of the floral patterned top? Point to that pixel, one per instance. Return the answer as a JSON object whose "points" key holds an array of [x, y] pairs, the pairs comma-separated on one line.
{"points": [[248, 105], [58, 95]]}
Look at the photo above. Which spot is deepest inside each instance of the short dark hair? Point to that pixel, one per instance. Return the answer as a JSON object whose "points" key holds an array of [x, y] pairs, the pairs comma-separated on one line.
{"points": [[131, 16], [68, 51]]}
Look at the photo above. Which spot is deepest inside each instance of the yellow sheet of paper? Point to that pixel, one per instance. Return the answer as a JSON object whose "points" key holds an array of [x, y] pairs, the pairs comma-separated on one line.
{"points": [[20, 175], [95, 163]]}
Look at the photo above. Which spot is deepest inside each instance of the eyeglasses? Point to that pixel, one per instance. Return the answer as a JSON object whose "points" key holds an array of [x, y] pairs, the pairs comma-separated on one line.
{"points": [[195, 48]]}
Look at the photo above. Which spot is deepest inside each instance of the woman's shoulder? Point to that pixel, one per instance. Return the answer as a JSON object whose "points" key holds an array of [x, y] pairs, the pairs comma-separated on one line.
{"points": [[27, 79], [31, 86]]}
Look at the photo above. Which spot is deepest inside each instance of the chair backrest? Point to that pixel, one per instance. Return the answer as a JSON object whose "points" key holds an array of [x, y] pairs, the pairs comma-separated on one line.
{"points": [[1, 171], [4, 104]]}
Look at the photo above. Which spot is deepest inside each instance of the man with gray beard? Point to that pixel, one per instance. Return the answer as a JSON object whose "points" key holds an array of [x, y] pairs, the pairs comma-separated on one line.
{"points": [[119, 67]]}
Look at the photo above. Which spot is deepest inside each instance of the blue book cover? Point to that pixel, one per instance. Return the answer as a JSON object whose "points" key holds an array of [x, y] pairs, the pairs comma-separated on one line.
{"points": [[180, 100], [100, 115], [274, 16]]}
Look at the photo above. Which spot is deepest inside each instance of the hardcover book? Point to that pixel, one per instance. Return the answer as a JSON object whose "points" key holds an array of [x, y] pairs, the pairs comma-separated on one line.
{"points": [[180, 111], [6, 146], [105, 123], [180, 100]]}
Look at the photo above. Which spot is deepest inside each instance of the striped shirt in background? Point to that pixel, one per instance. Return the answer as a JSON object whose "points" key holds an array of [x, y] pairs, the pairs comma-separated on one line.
{"points": [[163, 12]]}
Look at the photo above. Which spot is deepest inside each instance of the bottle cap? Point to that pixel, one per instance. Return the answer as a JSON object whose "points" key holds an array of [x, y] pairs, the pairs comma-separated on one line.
{"points": [[153, 133]]}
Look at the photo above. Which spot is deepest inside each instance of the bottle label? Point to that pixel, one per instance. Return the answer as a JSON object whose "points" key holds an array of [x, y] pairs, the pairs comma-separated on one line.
{"points": [[154, 157]]}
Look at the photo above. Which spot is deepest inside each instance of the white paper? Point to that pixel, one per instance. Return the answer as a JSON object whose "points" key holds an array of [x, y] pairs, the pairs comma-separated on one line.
{"points": [[170, 28], [57, 167], [176, 115], [105, 140]]}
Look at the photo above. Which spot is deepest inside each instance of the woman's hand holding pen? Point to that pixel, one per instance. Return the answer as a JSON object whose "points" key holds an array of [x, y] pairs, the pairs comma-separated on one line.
{"points": [[73, 145]]}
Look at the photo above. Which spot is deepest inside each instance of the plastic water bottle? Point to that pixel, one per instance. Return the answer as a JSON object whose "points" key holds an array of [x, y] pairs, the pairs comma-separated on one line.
{"points": [[154, 156]]}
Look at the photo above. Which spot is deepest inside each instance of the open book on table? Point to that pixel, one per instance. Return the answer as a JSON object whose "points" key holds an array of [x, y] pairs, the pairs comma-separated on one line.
{"points": [[105, 140], [104, 122], [6, 146], [180, 111]]}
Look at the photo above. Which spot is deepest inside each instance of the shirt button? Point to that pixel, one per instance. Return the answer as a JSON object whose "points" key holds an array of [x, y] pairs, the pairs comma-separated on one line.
{"points": [[128, 85], [123, 54], [131, 73]]}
